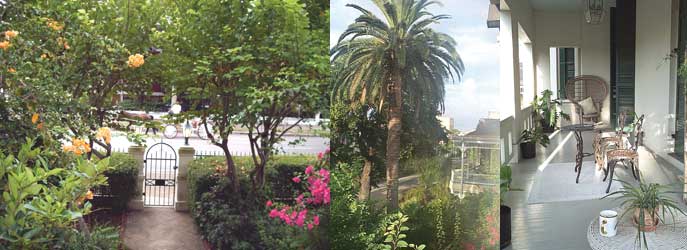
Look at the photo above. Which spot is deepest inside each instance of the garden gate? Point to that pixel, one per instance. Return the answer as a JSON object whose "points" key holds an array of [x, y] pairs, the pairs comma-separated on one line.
{"points": [[160, 175]]}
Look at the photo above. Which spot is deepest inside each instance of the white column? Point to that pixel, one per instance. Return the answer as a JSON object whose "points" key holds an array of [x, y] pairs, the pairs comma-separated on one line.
{"points": [[185, 157], [137, 202]]}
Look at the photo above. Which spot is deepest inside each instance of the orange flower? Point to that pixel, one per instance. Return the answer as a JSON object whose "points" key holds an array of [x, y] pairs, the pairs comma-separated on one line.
{"points": [[11, 34], [39, 126], [12, 70], [55, 25], [5, 45], [78, 147], [34, 118], [135, 61], [89, 195], [104, 134]]}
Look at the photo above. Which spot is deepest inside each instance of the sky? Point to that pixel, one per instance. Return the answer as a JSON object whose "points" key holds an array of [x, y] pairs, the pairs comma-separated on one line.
{"points": [[477, 93]]}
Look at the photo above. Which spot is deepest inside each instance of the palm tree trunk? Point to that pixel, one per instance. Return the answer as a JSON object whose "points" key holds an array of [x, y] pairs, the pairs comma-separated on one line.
{"points": [[364, 193], [393, 142]]}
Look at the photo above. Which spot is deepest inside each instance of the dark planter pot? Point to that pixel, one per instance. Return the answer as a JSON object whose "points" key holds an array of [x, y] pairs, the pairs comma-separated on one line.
{"points": [[546, 128], [528, 150], [505, 227]]}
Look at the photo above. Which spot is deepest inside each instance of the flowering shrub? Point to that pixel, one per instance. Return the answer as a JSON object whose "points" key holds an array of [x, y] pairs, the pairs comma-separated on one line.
{"points": [[39, 212], [318, 194]]}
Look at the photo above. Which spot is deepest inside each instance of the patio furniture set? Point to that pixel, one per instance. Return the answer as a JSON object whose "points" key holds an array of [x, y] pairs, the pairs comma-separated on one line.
{"points": [[587, 94], [612, 147]]}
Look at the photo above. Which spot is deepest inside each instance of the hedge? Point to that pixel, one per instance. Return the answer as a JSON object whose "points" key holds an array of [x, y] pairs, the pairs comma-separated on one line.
{"points": [[203, 174], [121, 179]]}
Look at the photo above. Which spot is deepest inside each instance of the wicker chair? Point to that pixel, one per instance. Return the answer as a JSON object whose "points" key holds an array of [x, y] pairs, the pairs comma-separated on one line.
{"points": [[582, 87], [626, 156], [604, 140]]}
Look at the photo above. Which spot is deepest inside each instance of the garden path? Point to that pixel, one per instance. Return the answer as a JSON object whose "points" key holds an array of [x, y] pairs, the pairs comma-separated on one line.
{"points": [[161, 229]]}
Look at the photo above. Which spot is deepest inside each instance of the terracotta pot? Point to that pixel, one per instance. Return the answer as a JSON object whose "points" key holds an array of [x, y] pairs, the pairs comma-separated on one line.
{"points": [[650, 222]]}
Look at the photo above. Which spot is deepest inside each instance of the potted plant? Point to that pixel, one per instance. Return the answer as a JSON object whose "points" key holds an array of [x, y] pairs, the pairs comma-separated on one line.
{"points": [[529, 139], [505, 229], [545, 111], [648, 204]]}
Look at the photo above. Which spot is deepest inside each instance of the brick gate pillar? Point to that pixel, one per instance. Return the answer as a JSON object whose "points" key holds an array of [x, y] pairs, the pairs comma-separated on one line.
{"points": [[137, 152], [185, 157]]}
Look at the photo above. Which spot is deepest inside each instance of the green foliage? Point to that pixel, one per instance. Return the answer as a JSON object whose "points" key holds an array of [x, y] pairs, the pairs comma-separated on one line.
{"points": [[239, 220], [355, 224], [40, 202], [250, 63], [650, 198], [100, 238], [547, 109], [534, 135], [205, 173], [355, 131], [394, 234], [121, 180]]}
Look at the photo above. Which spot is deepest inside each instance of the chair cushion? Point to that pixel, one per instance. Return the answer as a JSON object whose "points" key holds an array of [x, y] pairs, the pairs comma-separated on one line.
{"points": [[588, 106]]}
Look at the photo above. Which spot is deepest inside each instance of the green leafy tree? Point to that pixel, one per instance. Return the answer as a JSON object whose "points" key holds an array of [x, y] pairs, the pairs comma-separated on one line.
{"points": [[385, 58], [250, 64]]}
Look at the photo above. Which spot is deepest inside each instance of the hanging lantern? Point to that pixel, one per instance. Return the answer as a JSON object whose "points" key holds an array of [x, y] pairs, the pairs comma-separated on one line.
{"points": [[595, 11]]}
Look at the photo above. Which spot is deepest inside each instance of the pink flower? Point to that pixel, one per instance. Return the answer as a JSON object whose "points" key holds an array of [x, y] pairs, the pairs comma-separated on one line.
{"points": [[309, 170], [299, 199], [319, 156], [274, 213], [310, 226], [316, 220], [326, 151], [300, 218], [296, 179], [268, 204]]}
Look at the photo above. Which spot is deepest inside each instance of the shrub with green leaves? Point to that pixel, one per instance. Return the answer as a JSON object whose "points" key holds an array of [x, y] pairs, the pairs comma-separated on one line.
{"points": [[239, 221], [42, 203], [121, 180]]}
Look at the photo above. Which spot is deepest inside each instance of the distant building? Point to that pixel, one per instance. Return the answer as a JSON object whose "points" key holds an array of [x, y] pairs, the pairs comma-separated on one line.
{"points": [[446, 122]]}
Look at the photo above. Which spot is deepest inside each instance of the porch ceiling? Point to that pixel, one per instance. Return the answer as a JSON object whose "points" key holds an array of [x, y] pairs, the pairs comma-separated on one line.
{"points": [[558, 5], [562, 5]]}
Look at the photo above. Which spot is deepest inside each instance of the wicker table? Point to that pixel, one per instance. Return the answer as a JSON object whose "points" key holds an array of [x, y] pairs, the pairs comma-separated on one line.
{"points": [[578, 129], [666, 237]]}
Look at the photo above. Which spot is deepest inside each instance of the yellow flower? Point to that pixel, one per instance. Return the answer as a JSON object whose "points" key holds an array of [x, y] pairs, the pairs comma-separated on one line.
{"points": [[63, 42], [11, 34], [4, 45], [55, 25], [11, 70], [135, 61], [43, 56], [104, 134], [34, 118], [89, 195]]}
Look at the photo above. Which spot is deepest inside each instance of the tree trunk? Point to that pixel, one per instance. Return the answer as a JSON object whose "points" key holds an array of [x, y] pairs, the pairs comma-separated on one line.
{"points": [[231, 169], [393, 142], [364, 193]]}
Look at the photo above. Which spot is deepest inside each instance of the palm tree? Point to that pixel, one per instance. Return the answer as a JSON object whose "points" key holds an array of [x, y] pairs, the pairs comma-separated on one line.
{"points": [[387, 59]]}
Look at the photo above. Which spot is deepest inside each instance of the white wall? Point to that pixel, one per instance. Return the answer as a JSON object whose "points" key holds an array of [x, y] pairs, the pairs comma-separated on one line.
{"points": [[516, 17], [569, 29], [654, 40]]}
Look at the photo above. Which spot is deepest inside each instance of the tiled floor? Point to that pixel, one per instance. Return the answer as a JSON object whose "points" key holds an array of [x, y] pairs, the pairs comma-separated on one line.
{"points": [[563, 225]]}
